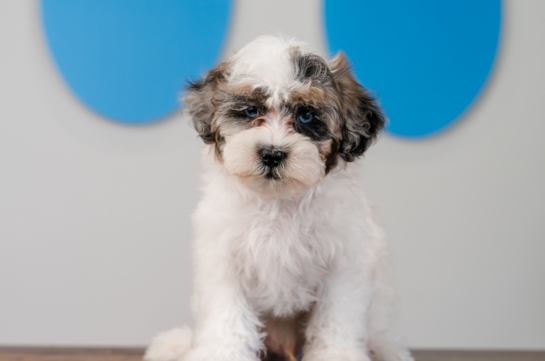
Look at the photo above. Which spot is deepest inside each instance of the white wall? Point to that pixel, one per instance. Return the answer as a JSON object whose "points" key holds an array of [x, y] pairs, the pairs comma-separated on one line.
{"points": [[94, 217]]}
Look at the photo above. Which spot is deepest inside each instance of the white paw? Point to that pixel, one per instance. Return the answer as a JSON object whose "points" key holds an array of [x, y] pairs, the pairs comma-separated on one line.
{"points": [[388, 347], [170, 345]]}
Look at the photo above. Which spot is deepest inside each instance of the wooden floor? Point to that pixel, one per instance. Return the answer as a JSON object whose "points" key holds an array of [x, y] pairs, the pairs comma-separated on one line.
{"points": [[135, 354]]}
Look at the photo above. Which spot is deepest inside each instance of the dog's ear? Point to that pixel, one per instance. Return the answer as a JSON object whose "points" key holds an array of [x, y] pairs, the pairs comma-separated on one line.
{"points": [[362, 116], [200, 99]]}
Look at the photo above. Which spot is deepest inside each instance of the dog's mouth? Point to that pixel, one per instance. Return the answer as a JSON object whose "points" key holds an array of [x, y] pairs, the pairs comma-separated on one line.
{"points": [[272, 173]]}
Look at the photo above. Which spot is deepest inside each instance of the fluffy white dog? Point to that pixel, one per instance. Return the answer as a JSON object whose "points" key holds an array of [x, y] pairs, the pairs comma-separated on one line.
{"points": [[288, 259]]}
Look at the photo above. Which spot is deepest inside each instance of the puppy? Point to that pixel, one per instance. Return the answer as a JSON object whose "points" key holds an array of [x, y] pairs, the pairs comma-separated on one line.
{"points": [[288, 260]]}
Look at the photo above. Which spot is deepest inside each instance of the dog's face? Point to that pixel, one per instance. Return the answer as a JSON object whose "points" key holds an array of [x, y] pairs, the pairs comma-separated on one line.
{"points": [[280, 117]]}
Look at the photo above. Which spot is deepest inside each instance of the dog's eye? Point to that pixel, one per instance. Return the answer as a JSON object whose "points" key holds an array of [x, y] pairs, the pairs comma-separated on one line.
{"points": [[305, 117], [251, 112]]}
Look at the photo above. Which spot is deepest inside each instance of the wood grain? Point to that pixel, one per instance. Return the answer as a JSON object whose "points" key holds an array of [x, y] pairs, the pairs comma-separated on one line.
{"points": [[70, 354], [458, 355], [135, 354]]}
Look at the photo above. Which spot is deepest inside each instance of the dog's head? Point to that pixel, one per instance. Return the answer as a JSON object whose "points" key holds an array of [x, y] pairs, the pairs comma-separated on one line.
{"points": [[281, 117]]}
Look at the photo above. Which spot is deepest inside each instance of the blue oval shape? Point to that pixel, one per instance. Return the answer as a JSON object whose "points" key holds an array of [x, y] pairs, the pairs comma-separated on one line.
{"points": [[427, 59], [126, 59]]}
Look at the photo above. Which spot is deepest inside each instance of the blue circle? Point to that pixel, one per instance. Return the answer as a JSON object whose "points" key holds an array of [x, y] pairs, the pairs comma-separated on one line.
{"points": [[127, 59], [427, 59]]}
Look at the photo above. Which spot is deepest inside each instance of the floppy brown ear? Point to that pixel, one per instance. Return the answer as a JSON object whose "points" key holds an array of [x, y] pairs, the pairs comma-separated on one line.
{"points": [[363, 116], [200, 99]]}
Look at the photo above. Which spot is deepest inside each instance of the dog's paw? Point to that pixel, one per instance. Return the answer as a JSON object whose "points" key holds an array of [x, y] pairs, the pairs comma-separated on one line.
{"points": [[388, 347], [170, 345]]}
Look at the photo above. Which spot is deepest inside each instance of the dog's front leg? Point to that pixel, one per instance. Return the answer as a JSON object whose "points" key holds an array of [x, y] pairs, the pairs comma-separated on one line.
{"points": [[337, 327], [227, 328]]}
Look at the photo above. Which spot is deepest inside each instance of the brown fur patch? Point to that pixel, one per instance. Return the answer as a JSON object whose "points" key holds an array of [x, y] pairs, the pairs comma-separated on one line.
{"points": [[285, 334], [311, 96], [363, 117], [201, 101]]}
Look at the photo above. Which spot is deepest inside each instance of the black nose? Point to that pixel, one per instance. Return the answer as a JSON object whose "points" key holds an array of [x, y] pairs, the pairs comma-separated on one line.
{"points": [[272, 157]]}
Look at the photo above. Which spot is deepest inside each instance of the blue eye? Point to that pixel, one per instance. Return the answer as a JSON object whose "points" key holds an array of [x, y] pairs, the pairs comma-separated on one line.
{"points": [[251, 112], [305, 117]]}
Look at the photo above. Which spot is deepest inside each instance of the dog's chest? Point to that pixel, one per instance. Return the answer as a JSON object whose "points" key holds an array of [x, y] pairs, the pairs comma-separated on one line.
{"points": [[282, 256]]}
